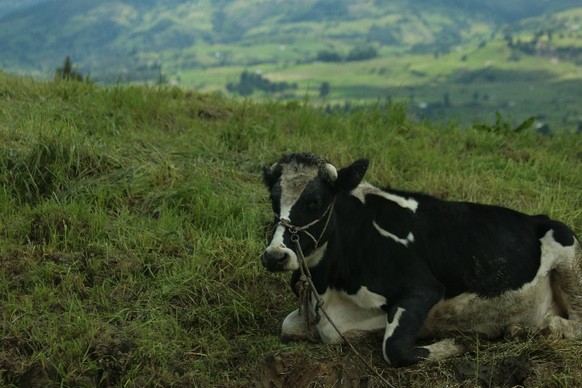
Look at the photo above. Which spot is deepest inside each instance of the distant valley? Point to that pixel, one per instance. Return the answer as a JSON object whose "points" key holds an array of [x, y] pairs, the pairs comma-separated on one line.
{"points": [[447, 60]]}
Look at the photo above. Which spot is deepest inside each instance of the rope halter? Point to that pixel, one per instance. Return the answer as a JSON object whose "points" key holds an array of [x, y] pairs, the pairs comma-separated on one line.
{"points": [[304, 286], [294, 230]]}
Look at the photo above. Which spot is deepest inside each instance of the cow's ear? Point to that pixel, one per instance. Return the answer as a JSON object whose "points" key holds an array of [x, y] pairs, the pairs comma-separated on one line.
{"points": [[348, 178], [271, 174]]}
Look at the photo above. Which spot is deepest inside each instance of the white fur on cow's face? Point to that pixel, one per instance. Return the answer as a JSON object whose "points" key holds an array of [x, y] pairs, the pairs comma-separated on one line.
{"points": [[294, 180], [278, 247]]}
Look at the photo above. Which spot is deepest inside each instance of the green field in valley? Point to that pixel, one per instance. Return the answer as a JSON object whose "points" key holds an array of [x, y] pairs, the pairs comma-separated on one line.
{"points": [[468, 86]]}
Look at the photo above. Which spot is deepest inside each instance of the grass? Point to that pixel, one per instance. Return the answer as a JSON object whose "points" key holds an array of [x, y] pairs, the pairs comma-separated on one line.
{"points": [[132, 220]]}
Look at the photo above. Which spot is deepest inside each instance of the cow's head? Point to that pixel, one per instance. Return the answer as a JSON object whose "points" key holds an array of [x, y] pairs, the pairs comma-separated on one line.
{"points": [[303, 189]]}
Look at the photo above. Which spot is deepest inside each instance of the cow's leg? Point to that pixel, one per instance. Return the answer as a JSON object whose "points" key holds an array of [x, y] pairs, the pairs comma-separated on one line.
{"points": [[294, 328], [566, 281], [404, 321]]}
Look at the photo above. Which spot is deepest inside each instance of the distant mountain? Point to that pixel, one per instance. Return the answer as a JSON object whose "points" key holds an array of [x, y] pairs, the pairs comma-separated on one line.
{"points": [[8, 6], [110, 39], [507, 10]]}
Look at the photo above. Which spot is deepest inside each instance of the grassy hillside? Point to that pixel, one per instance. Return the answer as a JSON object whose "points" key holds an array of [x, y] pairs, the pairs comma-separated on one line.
{"points": [[132, 220]]}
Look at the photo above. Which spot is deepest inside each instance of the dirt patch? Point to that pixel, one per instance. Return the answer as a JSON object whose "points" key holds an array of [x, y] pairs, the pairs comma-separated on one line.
{"points": [[507, 372], [296, 370], [112, 356]]}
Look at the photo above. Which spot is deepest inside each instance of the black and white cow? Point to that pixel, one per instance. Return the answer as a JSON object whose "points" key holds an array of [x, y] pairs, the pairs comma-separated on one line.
{"points": [[417, 266]]}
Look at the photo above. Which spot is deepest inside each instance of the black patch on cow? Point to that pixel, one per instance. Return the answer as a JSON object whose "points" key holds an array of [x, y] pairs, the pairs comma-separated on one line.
{"points": [[391, 313], [350, 177], [562, 234], [476, 248], [390, 216], [271, 175]]}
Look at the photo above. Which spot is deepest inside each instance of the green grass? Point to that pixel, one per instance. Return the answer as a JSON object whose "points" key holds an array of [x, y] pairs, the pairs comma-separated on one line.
{"points": [[132, 220]]}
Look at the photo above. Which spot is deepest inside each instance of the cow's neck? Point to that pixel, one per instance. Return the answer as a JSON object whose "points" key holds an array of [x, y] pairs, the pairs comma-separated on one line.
{"points": [[333, 269]]}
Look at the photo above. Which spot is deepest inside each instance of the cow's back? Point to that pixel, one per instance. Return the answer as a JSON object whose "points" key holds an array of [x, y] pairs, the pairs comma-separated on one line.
{"points": [[478, 248]]}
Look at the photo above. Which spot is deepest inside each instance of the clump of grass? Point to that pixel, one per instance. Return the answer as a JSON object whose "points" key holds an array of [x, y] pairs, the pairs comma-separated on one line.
{"points": [[50, 166], [132, 221]]}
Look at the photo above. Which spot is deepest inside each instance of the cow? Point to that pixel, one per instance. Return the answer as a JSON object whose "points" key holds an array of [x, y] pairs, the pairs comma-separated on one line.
{"points": [[416, 266]]}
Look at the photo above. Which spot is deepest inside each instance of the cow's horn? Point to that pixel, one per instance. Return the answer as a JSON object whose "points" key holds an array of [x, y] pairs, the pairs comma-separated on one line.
{"points": [[331, 171]]}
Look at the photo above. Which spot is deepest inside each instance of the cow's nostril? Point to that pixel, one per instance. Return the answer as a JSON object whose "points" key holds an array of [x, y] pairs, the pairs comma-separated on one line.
{"points": [[275, 260], [282, 260], [276, 256]]}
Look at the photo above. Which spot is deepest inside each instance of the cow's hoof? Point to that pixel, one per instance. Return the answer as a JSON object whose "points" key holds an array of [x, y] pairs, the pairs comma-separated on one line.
{"points": [[444, 349], [518, 332]]}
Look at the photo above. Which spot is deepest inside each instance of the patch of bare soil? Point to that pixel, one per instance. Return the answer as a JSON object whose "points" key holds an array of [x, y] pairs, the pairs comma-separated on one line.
{"points": [[294, 369], [507, 372], [492, 368], [342, 370], [111, 354]]}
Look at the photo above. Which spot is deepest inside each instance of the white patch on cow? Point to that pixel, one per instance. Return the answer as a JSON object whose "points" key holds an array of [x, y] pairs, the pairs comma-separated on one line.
{"points": [[531, 306], [294, 179], [315, 257], [292, 264], [293, 326], [367, 299], [277, 246], [359, 312], [390, 328], [277, 240], [553, 251], [404, 241], [365, 189]]}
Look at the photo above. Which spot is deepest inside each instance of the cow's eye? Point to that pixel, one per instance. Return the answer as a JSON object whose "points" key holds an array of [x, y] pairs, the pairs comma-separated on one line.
{"points": [[314, 204]]}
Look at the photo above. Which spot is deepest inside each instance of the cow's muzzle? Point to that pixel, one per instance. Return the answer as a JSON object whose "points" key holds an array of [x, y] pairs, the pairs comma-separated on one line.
{"points": [[278, 259]]}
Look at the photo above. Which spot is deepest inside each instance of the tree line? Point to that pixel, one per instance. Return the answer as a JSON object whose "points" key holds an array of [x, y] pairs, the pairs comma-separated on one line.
{"points": [[249, 82], [359, 53]]}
